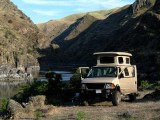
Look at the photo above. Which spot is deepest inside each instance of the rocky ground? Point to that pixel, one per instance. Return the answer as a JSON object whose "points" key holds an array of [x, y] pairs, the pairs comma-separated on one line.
{"points": [[147, 107]]}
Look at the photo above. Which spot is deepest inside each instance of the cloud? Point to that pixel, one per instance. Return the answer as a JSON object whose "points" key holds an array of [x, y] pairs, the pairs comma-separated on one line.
{"points": [[48, 2], [92, 5], [46, 13], [78, 3]]}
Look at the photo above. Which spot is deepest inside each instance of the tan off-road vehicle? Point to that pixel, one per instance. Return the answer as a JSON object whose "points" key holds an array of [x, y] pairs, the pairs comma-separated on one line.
{"points": [[112, 77]]}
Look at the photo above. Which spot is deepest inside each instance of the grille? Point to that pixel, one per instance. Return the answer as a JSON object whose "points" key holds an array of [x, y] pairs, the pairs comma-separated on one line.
{"points": [[95, 86]]}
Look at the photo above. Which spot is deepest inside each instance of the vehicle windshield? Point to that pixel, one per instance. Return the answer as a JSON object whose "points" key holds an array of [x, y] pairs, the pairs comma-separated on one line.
{"points": [[102, 72]]}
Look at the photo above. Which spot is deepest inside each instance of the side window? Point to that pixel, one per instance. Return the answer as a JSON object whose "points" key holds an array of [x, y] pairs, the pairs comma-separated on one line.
{"points": [[120, 60], [129, 72], [107, 60], [127, 61], [132, 71], [126, 72]]}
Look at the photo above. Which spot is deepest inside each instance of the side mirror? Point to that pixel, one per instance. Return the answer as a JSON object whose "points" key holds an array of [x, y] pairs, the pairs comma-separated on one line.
{"points": [[84, 72], [84, 75]]}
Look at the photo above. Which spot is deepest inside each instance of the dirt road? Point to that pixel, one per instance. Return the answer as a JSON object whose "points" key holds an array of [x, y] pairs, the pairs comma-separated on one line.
{"points": [[137, 110], [141, 109]]}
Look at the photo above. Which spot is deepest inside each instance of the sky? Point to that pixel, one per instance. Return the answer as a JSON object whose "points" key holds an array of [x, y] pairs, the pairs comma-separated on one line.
{"points": [[41, 11]]}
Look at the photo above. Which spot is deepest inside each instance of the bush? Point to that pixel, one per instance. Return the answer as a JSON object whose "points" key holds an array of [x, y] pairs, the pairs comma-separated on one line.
{"points": [[54, 89], [50, 75], [22, 17], [3, 105], [9, 34], [75, 81], [36, 88], [81, 116], [38, 115], [146, 85]]}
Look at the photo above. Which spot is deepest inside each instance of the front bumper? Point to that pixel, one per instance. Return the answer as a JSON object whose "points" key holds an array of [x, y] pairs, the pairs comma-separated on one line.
{"points": [[93, 93]]}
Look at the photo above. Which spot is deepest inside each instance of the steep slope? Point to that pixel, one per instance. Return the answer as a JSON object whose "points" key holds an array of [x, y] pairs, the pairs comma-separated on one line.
{"points": [[109, 31], [75, 29], [140, 36], [19, 37], [133, 28], [55, 28], [67, 29]]}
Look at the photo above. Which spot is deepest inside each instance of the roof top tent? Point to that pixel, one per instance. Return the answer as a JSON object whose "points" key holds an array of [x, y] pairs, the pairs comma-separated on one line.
{"points": [[113, 58]]}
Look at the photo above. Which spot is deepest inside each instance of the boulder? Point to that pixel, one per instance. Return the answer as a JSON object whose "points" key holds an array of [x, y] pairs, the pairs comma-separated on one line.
{"points": [[36, 102], [14, 107]]}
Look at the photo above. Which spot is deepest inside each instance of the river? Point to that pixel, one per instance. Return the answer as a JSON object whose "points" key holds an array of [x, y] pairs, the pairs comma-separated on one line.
{"points": [[9, 89]]}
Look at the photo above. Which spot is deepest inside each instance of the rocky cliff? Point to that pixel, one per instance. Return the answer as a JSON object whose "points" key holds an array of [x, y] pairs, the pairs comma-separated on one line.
{"points": [[140, 4], [19, 37]]}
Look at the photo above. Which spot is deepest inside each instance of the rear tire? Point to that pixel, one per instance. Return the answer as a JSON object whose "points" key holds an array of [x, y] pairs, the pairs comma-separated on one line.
{"points": [[116, 98], [132, 97]]}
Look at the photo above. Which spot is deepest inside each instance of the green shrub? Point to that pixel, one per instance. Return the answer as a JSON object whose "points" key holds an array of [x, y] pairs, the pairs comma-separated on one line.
{"points": [[9, 34], [81, 116], [146, 85], [50, 75], [75, 80], [3, 104], [22, 17], [38, 115], [54, 89], [36, 88]]}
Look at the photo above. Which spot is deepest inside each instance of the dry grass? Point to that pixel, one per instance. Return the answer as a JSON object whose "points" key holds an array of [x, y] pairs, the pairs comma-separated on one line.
{"points": [[138, 110]]}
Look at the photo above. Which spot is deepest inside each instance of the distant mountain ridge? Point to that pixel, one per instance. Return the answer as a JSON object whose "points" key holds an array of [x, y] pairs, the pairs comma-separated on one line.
{"points": [[54, 28], [67, 29]]}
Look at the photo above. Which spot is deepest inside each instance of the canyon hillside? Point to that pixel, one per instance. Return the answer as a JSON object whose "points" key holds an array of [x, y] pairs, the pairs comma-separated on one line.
{"points": [[67, 29], [73, 40], [19, 37], [133, 28]]}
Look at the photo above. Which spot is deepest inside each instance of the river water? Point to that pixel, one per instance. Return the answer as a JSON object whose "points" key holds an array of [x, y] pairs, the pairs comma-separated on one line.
{"points": [[9, 89]]}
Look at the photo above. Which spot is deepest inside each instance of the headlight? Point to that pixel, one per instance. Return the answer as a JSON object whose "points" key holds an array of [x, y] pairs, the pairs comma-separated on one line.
{"points": [[83, 86], [109, 86]]}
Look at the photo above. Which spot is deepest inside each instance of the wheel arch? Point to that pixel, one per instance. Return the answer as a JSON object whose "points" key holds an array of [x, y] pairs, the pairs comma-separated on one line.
{"points": [[118, 88]]}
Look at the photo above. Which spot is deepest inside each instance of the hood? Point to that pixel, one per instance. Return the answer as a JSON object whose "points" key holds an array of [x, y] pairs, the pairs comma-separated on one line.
{"points": [[100, 80]]}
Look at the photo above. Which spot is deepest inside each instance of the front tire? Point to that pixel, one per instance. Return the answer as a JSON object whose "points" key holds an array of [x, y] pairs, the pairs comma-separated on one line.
{"points": [[116, 98]]}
